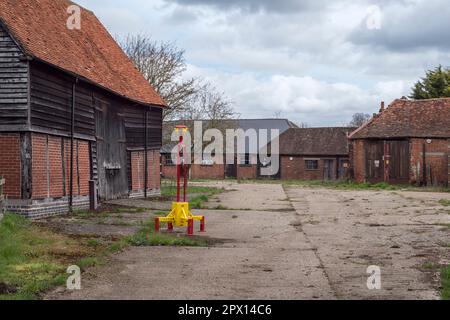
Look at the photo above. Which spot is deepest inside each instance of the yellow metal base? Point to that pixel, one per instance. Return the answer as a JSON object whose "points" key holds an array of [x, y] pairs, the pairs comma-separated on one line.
{"points": [[180, 215]]}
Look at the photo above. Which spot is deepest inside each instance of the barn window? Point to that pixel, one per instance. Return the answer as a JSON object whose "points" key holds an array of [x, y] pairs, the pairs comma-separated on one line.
{"points": [[312, 164], [168, 160]]}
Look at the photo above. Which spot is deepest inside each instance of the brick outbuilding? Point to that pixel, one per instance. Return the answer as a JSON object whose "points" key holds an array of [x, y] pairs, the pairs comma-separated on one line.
{"points": [[245, 166], [314, 153], [408, 142]]}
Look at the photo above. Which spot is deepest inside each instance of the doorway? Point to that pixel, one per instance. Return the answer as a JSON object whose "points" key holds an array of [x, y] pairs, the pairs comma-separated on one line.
{"points": [[328, 169]]}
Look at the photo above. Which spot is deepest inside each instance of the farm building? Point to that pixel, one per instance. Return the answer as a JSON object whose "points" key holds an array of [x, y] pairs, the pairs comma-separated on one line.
{"points": [[314, 153], [243, 167], [408, 142], [75, 114]]}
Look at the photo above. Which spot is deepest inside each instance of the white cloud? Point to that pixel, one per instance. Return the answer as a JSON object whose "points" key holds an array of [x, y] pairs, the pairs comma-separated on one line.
{"points": [[301, 99], [315, 61]]}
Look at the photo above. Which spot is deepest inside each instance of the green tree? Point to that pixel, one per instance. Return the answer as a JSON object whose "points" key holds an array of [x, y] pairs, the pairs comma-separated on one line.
{"points": [[436, 84]]}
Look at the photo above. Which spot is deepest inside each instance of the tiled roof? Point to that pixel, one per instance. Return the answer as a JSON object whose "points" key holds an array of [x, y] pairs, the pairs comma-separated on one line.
{"points": [[315, 141], [281, 124], [168, 147], [409, 118], [40, 27]]}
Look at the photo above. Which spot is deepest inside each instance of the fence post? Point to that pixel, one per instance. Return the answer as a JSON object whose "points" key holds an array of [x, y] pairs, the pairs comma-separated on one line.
{"points": [[93, 203]]}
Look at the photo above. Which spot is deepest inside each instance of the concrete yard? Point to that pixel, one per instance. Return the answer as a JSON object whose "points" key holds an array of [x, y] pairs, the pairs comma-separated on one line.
{"points": [[291, 242]]}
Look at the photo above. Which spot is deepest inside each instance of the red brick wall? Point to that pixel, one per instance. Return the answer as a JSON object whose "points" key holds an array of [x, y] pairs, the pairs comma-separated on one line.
{"points": [[168, 171], [246, 171], [55, 163], [138, 170], [436, 157], [39, 166], [215, 171], [47, 167], [295, 169], [154, 174], [357, 160], [84, 166], [10, 164]]}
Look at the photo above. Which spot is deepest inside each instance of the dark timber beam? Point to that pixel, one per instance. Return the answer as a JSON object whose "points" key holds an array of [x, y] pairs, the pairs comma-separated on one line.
{"points": [[146, 154], [72, 133]]}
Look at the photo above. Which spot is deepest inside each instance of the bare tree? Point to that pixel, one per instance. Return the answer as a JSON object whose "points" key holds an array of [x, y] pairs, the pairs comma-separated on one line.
{"points": [[358, 119], [303, 125], [277, 114], [209, 104], [162, 64], [214, 104]]}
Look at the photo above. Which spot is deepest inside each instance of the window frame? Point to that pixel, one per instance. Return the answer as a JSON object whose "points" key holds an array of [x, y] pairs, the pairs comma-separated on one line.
{"points": [[308, 168], [168, 161]]}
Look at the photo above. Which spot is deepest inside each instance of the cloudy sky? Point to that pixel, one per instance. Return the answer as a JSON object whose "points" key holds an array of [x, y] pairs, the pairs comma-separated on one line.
{"points": [[312, 61]]}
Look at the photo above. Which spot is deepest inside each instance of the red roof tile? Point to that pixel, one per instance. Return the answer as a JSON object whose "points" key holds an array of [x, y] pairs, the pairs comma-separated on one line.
{"points": [[40, 27], [409, 118]]}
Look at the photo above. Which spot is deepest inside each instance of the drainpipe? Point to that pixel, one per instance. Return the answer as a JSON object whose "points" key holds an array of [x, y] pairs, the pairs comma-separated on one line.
{"points": [[72, 132], [424, 166], [145, 154]]}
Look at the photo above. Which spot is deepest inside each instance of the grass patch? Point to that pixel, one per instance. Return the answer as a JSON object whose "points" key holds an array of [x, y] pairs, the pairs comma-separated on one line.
{"points": [[106, 211], [146, 237], [220, 207], [86, 262], [117, 246], [32, 259], [168, 189], [345, 185], [428, 265], [444, 202], [349, 185], [93, 243], [202, 193], [445, 283], [161, 213], [197, 202]]}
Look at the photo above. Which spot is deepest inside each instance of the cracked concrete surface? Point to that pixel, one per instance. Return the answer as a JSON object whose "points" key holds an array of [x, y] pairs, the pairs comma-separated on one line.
{"points": [[397, 231], [292, 243]]}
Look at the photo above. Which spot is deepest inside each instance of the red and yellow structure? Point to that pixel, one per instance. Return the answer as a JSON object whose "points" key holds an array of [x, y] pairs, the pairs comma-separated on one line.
{"points": [[181, 216]]}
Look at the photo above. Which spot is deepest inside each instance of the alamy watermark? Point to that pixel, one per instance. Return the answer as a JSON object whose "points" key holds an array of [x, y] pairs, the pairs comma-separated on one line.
{"points": [[374, 279], [74, 20], [373, 18], [228, 146], [74, 280]]}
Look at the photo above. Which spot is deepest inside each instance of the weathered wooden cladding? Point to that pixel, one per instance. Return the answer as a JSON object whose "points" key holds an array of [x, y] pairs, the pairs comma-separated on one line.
{"points": [[51, 102], [13, 82], [135, 127], [51, 98]]}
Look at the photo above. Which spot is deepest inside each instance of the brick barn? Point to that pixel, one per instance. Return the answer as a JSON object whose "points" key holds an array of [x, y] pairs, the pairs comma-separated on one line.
{"points": [[314, 153], [75, 114], [408, 142], [242, 168]]}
